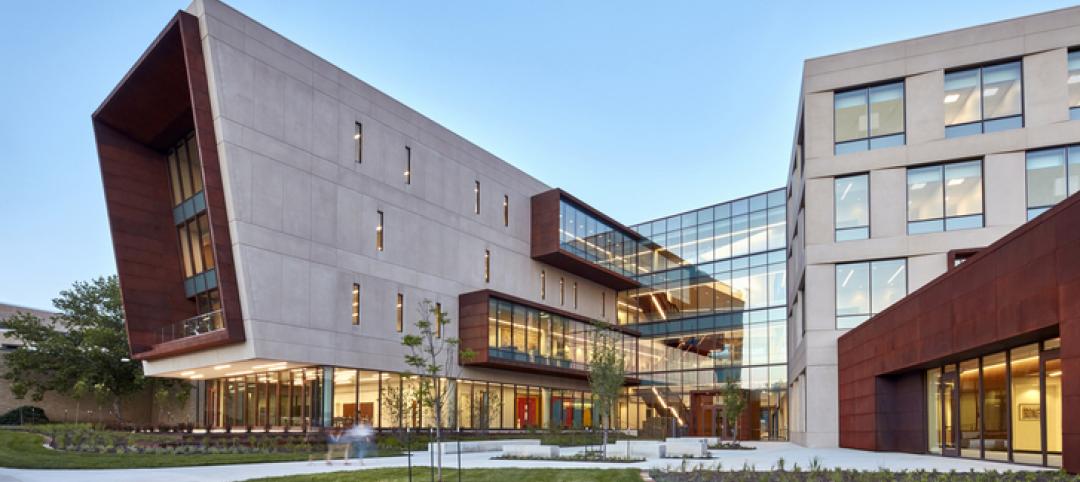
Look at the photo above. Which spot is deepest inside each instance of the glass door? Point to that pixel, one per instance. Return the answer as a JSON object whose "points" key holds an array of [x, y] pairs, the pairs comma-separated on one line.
{"points": [[949, 411]]}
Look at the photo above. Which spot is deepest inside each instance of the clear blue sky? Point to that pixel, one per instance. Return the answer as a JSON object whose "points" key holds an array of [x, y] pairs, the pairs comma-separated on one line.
{"points": [[640, 108]]}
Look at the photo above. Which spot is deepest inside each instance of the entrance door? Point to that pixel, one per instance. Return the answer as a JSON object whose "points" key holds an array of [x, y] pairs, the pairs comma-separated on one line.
{"points": [[950, 414], [1050, 409]]}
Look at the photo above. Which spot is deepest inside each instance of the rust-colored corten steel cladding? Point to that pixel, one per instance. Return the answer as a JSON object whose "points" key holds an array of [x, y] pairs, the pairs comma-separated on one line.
{"points": [[474, 332], [545, 246], [163, 97], [1022, 288]]}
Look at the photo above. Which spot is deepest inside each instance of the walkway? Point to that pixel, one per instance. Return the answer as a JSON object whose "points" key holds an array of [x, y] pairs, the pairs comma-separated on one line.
{"points": [[764, 458]]}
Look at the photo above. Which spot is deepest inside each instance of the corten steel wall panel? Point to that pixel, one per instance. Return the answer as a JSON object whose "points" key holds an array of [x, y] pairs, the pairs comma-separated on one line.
{"points": [[473, 311], [164, 96], [1024, 287], [144, 237], [545, 245]]}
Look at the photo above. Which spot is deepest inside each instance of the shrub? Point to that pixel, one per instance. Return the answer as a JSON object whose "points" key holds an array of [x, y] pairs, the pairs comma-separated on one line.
{"points": [[26, 414]]}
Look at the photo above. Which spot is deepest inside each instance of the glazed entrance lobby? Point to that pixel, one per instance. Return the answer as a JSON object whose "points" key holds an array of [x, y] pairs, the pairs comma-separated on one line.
{"points": [[1003, 406]]}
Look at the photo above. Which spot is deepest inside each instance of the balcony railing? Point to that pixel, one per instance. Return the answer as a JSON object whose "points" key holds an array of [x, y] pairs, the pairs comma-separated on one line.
{"points": [[196, 325], [512, 354]]}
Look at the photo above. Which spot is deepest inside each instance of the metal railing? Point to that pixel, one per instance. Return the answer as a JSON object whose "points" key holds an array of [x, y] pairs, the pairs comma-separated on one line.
{"points": [[196, 325]]}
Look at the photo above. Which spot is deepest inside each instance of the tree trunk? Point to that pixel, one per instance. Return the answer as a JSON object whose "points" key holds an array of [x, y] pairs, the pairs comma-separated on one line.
{"points": [[603, 450], [116, 410]]}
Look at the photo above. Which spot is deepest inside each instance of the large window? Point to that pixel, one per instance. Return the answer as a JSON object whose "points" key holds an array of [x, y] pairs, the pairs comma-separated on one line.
{"points": [[1074, 85], [1052, 175], [945, 197], [983, 99], [869, 118], [865, 289], [852, 195]]}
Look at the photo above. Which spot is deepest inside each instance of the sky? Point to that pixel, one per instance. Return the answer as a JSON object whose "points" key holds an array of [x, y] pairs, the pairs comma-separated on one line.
{"points": [[639, 108]]}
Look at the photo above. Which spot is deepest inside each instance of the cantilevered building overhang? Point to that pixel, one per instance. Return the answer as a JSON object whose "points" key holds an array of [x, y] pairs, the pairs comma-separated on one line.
{"points": [[161, 103]]}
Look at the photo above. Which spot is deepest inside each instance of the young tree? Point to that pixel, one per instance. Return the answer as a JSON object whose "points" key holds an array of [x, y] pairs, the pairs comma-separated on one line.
{"points": [[432, 358], [607, 374], [84, 350], [734, 403]]}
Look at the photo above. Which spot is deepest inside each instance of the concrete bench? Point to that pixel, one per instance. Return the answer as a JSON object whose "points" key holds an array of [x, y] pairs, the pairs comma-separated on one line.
{"points": [[689, 448], [471, 446], [543, 451], [640, 448], [707, 440]]}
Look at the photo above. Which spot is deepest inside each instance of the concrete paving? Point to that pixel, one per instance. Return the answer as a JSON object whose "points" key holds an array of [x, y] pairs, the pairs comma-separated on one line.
{"points": [[763, 458]]}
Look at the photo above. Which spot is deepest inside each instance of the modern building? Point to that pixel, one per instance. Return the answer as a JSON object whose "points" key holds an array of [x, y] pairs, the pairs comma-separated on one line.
{"points": [[279, 225], [908, 158]]}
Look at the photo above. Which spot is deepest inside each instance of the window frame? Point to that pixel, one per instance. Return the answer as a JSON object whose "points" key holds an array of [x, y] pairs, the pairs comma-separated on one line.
{"points": [[400, 312], [944, 202], [476, 201], [1033, 212], [958, 130], [487, 266], [868, 140], [1074, 111], [356, 304], [836, 210], [379, 230], [870, 290]]}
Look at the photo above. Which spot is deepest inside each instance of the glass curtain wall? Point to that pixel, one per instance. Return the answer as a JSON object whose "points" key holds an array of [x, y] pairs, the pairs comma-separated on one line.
{"points": [[712, 310], [1003, 406], [293, 398], [525, 334]]}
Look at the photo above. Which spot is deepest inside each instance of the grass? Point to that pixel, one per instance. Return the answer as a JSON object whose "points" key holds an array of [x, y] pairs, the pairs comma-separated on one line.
{"points": [[472, 475], [24, 450]]}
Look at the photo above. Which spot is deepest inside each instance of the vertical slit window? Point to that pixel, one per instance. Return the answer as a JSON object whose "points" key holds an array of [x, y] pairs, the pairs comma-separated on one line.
{"points": [[476, 201], [603, 304], [562, 291], [408, 165], [358, 141], [356, 304], [487, 265], [506, 210], [400, 311], [438, 320], [575, 295], [379, 232], [543, 284]]}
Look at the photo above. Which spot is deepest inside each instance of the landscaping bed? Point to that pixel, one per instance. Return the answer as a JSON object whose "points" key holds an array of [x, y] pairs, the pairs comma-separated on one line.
{"points": [[470, 475], [702, 474], [730, 446]]}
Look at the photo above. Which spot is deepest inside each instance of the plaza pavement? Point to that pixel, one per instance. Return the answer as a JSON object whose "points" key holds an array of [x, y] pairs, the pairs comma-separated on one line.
{"points": [[764, 458]]}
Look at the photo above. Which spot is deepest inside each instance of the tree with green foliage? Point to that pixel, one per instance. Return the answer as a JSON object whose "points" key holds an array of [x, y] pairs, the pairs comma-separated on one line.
{"points": [[607, 375], [83, 350], [734, 404], [432, 358]]}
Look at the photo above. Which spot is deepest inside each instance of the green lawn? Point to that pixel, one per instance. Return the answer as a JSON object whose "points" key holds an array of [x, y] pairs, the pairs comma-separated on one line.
{"points": [[472, 475], [25, 451]]}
